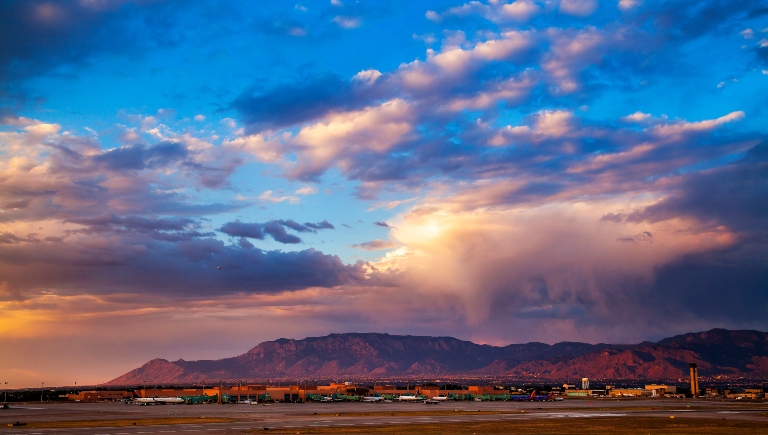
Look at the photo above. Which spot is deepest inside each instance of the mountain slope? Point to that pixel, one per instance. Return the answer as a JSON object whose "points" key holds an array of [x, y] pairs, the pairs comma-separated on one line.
{"points": [[369, 354]]}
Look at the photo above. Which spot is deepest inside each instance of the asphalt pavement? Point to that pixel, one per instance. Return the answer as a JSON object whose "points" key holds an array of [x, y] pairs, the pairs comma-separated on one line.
{"points": [[309, 415]]}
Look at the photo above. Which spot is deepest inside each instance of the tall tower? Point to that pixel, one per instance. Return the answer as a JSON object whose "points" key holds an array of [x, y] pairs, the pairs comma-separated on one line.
{"points": [[694, 380], [584, 383]]}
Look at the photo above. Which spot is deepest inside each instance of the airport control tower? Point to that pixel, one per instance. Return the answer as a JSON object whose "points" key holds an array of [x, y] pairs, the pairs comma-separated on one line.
{"points": [[694, 380]]}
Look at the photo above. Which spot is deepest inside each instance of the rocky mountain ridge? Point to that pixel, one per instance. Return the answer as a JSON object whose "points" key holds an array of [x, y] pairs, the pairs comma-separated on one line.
{"points": [[717, 352]]}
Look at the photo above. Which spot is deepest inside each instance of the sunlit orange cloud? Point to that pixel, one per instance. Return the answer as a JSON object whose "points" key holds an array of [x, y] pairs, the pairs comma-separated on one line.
{"points": [[519, 260]]}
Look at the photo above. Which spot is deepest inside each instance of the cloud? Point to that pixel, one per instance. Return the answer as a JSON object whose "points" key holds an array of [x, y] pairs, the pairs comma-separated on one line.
{"points": [[381, 224], [324, 225], [580, 8], [306, 191], [375, 245], [268, 196], [275, 228], [499, 12], [290, 104], [628, 4], [636, 117], [139, 157], [347, 22], [389, 205]]}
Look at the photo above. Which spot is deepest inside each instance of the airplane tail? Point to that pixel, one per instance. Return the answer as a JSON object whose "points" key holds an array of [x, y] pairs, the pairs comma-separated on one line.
{"points": [[533, 395], [551, 395]]}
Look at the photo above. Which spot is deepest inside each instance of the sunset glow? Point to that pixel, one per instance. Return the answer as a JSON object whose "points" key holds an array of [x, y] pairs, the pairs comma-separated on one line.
{"points": [[185, 179]]}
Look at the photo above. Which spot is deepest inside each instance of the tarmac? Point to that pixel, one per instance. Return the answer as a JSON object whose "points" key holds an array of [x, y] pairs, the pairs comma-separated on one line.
{"points": [[315, 415]]}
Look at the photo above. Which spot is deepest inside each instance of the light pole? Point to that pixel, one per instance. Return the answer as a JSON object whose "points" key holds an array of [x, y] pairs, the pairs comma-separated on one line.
{"points": [[5, 391], [42, 389]]}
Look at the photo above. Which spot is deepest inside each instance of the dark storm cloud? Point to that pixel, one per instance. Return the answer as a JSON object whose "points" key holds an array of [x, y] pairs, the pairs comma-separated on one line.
{"points": [[722, 285], [275, 228], [735, 195], [187, 268]]}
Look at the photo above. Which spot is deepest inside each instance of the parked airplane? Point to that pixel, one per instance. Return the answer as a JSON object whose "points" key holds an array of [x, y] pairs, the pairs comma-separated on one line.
{"points": [[432, 402], [543, 398], [523, 398], [408, 398], [533, 397], [373, 399], [157, 400], [440, 398]]}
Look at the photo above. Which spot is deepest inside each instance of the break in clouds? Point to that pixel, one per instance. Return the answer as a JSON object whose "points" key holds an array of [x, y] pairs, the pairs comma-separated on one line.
{"points": [[596, 169]]}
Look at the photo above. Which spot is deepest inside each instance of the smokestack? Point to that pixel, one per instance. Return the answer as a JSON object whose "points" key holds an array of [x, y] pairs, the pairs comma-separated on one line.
{"points": [[694, 380]]}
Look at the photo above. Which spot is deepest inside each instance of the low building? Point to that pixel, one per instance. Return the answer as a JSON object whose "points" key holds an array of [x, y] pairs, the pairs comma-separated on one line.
{"points": [[99, 396], [661, 390], [630, 392]]}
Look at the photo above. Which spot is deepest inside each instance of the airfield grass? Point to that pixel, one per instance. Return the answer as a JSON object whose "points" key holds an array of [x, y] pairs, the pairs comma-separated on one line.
{"points": [[124, 422], [594, 426]]}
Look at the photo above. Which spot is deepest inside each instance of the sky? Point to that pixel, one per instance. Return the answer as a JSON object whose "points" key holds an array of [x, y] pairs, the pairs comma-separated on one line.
{"points": [[186, 179]]}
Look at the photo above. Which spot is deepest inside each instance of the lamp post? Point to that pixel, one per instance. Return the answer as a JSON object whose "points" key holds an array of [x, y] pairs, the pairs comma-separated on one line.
{"points": [[42, 390], [5, 391]]}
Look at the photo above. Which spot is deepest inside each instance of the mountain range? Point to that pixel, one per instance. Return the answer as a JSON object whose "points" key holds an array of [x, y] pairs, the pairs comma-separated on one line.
{"points": [[717, 352]]}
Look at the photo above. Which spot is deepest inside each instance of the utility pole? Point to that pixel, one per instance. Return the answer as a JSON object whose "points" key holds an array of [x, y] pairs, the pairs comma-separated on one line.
{"points": [[221, 392], [5, 390], [42, 389]]}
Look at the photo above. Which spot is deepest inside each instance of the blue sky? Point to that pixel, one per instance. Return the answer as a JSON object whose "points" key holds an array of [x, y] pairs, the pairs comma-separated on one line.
{"points": [[441, 168]]}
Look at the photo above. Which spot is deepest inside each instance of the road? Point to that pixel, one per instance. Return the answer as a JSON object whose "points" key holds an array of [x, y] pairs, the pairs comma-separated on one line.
{"points": [[309, 415]]}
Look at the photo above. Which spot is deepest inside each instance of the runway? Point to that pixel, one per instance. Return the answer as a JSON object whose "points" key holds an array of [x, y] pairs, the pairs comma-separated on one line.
{"points": [[195, 419]]}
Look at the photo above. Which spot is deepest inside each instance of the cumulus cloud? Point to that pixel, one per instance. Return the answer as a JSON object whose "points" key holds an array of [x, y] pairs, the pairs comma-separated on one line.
{"points": [[518, 10], [579, 8]]}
